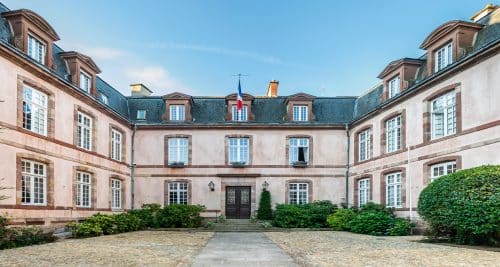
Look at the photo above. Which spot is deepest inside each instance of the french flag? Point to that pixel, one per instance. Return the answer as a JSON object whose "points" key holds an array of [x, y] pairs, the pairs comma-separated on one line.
{"points": [[239, 104]]}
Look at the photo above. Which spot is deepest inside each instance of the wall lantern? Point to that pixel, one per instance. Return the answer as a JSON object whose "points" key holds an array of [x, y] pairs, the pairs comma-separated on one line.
{"points": [[265, 185], [211, 185]]}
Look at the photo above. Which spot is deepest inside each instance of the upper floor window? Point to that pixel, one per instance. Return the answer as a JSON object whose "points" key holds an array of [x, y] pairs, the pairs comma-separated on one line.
{"points": [[84, 131], [104, 99], [300, 113], [36, 49], [33, 183], [35, 110], [85, 82], [178, 150], [177, 112], [238, 150], [443, 57], [141, 114], [364, 145], [178, 193], [443, 115], [363, 191], [394, 190], [116, 194], [298, 193], [394, 86], [239, 115], [299, 150], [393, 130], [83, 189], [116, 145], [445, 168]]}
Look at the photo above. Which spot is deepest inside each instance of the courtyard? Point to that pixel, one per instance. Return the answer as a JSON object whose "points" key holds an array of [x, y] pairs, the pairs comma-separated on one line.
{"points": [[302, 248]]}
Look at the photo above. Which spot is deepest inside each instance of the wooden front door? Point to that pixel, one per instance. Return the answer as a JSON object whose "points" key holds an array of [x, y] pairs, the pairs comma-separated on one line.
{"points": [[238, 204]]}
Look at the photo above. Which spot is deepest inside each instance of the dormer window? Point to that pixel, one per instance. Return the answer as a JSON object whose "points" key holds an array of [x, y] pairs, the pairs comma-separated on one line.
{"points": [[104, 99], [177, 113], [394, 86], [85, 81], [36, 49], [240, 115], [141, 114], [443, 57], [300, 113]]}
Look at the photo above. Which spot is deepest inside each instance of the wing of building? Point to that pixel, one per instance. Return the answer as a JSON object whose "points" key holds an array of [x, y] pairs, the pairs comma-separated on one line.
{"points": [[72, 145]]}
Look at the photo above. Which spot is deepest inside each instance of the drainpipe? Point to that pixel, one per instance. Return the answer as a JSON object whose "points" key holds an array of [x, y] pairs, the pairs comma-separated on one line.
{"points": [[409, 184], [347, 166], [132, 169]]}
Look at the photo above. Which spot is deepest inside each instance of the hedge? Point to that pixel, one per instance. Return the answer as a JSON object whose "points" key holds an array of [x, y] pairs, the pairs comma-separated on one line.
{"points": [[22, 236], [312, 215]]}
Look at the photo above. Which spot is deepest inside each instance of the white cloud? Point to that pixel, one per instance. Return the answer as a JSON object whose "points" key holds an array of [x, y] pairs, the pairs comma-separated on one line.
{"points": [[158, 79], [95, 52]]}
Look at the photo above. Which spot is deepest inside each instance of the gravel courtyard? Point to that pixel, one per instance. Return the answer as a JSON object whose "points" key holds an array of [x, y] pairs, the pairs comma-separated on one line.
{"points": [[145, 248], [347, 249]]}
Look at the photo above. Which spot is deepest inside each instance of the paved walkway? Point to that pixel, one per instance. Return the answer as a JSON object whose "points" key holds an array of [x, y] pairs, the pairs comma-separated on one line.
{"points": [[242, 249]]}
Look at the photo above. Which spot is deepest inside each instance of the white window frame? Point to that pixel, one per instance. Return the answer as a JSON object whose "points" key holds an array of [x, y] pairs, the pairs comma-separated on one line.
{"points": [[394, 86], [33, 183], [104, 99], [141, 114], [37, 49], [440, 169], [83, 189], [116, 194], [363, 191], [85, 81], [300, 113], [116, 144], [178, 150], [364, 150], [293, 150], [298, 193], [178, 193], [394, 183], [239, 149], [394, 138], [443, 115], [35, 108], [443, 57], [177, 112], [84, 131], [241, 115]]}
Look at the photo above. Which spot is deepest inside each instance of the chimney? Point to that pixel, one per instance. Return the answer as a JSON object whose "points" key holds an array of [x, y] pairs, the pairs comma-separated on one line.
{"points": [[488, 9], [272, 89], [139, 89]]}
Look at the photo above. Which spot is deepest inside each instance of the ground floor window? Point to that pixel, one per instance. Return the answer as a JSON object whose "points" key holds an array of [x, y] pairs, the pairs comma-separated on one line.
{"points": [[83, 189], [116, 194], [298, 193], [438, 170], [178, 193], [33, 183], [394, 187], [363, 191]]}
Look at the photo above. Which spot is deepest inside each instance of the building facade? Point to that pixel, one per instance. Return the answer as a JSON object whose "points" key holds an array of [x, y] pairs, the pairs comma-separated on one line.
{"points": [[72, 145]]}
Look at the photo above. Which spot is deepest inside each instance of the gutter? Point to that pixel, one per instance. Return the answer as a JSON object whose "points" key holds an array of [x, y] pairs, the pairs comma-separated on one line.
{"points": [[348, 142], [132, 168]]}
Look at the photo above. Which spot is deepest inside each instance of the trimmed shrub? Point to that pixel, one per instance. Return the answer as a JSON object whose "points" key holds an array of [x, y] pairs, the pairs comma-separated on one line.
{"points": [[464, 206], [339, 220], [185, 216], [312, 215], [265, 212], [400, 227], [149, 215], [22, 236], [371, 222]]}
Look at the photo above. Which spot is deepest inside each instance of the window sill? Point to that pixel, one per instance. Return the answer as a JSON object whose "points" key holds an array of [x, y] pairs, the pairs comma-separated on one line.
{"points": [[300, 164], [176, 165], [238, 164]]}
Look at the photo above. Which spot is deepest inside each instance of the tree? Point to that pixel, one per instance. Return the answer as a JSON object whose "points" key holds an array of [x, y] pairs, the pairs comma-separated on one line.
{"points": [[265, 212]]}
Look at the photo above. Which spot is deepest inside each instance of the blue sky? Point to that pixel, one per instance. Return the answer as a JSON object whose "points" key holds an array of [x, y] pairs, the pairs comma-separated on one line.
{"points": [[325, 48]]}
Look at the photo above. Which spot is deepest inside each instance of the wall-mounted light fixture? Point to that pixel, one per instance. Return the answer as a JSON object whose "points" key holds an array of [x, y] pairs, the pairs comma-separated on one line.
{"points": [[265, 185], [211, 185]]}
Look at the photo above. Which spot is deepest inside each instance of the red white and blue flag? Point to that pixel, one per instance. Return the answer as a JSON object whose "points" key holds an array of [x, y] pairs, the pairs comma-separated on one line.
{"points": [[239, 104]]}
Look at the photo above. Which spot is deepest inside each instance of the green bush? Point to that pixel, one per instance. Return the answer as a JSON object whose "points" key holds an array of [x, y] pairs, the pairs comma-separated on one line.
{"points": [[265, 212], [312, 215], [339, 220], [464, 206], [22, 236], [149, 215], [400, 227], [106, 224], [127, 222], [185, 216], [371, 222]]}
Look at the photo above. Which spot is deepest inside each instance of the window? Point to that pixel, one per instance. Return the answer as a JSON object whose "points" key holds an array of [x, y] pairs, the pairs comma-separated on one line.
{"points": [[241, 115], [394, 86], [116, 145], [84, 131], [36, 49], [300, 113], [83, 189], [443, 57], [444, 116], [299, 150], [104, 99], [141, 114], [176, 112], [238, 150], [438, 170], [85, 82], [298, 193], [35, 110], [393, 190], [178, 150], [116, 194], [363, 191], [364, 145], [33, 183], [177, 193], [393, 129]]}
